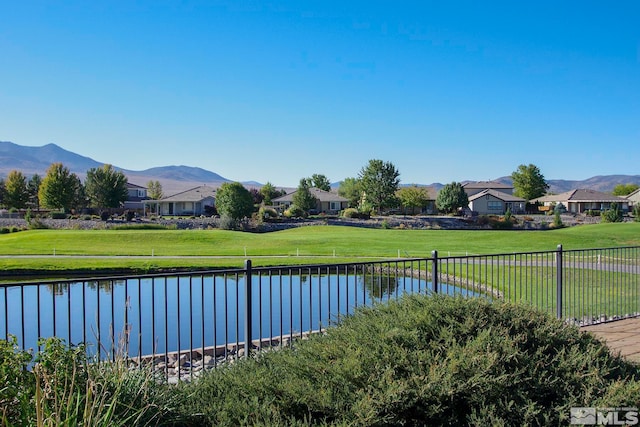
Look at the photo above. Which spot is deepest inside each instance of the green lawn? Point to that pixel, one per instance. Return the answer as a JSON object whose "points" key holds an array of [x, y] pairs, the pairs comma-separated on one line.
{"points": [[312, 244]]}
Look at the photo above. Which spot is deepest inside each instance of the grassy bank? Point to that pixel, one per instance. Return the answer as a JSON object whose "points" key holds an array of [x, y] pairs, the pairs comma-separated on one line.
{"points": [[95, 250]]}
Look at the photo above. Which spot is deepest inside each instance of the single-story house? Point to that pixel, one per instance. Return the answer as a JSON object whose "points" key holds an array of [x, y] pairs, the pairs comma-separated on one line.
{"points": [[136, 197], [328, 202], [582, 200], [472, 188], [192, 202], [633, 198], [494, 202], [429, 207]]}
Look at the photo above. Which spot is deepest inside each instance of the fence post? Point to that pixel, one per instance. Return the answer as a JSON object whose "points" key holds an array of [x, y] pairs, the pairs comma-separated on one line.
{"points": [[434, 275], [559, 276], [247, 307]]}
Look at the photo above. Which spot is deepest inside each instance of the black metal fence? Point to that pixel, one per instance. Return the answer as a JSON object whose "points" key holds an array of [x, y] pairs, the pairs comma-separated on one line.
{"points": [[185, 323]]}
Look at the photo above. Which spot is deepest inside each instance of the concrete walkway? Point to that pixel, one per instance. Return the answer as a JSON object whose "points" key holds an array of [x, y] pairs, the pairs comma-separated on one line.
{"points": [[622, 336]]}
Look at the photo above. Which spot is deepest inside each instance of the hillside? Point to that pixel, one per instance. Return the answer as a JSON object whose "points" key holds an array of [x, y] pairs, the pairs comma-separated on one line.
{"points": [[32, 160], [36, 160]]}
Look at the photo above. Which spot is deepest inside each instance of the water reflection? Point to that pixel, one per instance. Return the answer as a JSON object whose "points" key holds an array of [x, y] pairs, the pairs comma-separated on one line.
{"points": [[380, 286], [166, 313]]}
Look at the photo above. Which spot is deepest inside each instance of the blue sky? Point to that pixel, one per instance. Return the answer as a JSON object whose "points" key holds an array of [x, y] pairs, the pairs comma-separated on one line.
{"points": [[277, 91]]}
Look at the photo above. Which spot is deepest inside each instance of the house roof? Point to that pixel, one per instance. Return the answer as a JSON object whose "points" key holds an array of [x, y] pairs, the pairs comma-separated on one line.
{"points": [[633, 194], [193, 195], [580, 195], [321, 195], [486, 184], [505, 197], [131, 185]]}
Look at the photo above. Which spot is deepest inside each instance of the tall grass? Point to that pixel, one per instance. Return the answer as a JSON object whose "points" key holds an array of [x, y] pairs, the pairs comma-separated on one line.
{"points": [[63, 388]]}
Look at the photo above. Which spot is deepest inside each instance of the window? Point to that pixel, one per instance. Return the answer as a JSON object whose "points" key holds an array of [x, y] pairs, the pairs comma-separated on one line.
{"points": [[494, 205]]}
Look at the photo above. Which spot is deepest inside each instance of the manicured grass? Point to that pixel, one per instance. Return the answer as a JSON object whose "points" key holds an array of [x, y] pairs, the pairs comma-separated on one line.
{"points": [[313, 244]]}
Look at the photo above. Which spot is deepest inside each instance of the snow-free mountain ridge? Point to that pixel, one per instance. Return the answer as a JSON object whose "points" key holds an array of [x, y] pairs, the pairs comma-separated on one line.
{"points": [[32, 160]]}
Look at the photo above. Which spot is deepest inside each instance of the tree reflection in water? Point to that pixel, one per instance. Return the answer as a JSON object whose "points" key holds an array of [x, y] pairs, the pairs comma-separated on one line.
{"points": [[380, 286]]}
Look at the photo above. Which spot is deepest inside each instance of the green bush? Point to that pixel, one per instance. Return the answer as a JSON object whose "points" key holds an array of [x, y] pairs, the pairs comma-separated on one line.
{"points": [[612, 215], [355, 213], [36, 224], [5, 230], [557, 220], [295, 212], [350, 213], [636, 213], [421, 361], [227, 223], [266, 212]]}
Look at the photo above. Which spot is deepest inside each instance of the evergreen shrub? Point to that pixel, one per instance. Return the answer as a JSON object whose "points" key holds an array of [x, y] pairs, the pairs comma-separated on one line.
{"points": [[421, 360]]}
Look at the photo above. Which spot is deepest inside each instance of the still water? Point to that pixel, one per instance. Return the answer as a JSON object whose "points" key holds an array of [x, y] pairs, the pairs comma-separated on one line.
{"points": [[157, 315]]}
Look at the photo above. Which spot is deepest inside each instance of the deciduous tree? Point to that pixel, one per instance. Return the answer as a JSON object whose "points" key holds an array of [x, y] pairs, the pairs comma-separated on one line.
{"points": [[106, 187], [154, 190], [624, 189], [413, 198], [60, 188], [234, 201], [303, 197], [528, 182], [451, 198], [269, 192], [16, 192], [379, 181], [33, 186], [351, 190], [320, 182]]}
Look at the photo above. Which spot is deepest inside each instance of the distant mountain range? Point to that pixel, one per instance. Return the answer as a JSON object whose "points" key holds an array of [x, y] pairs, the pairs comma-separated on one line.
{"points": [[32, 160]]}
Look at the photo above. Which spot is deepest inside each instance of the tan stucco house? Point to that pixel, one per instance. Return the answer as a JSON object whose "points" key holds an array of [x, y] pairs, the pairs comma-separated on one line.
{"points": [[192, 202], [633, 198], [494, 202], [582, 200], [328, 202]]}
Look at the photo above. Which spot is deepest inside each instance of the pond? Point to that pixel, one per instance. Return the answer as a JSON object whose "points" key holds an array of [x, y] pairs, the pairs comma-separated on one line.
{"points": [[142, 316]]}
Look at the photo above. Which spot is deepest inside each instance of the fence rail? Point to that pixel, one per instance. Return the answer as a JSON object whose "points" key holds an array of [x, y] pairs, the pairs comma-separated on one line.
{"points": [[184, 323]]}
